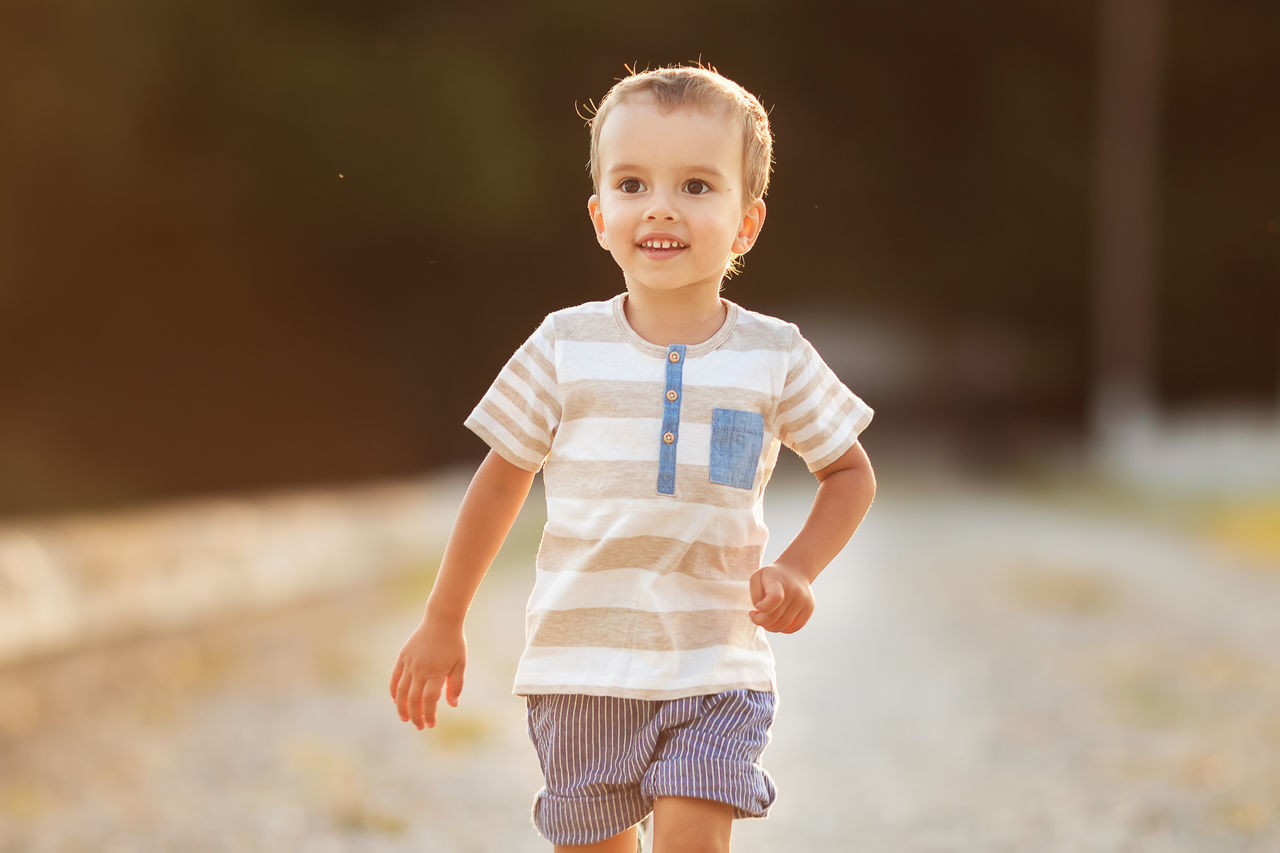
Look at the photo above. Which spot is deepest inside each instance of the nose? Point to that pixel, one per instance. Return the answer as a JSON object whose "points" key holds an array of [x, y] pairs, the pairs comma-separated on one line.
{"points": [[661, 207]]}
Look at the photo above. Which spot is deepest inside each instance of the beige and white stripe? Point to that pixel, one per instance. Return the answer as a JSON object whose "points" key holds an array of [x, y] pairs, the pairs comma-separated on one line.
{"points": [[641, 594]]}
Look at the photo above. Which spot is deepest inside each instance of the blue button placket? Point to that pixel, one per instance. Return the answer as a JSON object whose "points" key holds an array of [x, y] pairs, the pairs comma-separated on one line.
{"points": [[673, 396]]}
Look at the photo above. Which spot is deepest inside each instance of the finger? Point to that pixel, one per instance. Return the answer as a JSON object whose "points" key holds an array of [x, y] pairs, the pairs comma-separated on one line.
{"points": [[797, 622], [805, 606], [413, 704], [780, 619], [768, 607], [428, 699], [768, 621], [773, 596], [395, 677], [402, 695], [756, 585], [803, 613], [803, 619], [764, 618], [454, 690], [789, 616], [418, 704]]}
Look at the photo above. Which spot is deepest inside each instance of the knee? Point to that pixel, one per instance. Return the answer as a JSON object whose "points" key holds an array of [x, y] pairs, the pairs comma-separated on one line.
{"points": [[690, 840], [690, 845], [689, 825]]}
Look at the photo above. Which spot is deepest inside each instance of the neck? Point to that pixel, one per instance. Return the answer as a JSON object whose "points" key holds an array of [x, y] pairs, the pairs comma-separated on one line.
{"points": [[687, 316]]}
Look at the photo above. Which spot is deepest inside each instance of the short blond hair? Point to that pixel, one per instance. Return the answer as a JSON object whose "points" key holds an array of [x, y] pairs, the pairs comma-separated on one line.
{"points": [[703, 87]]}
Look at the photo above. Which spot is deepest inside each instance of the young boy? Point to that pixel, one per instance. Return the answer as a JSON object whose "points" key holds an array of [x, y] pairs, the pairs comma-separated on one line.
{"points": [[656, 418]]}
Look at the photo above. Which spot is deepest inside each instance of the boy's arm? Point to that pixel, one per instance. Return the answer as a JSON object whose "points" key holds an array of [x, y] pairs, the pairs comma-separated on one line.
{"points": [[781, 591], [436, 652]]}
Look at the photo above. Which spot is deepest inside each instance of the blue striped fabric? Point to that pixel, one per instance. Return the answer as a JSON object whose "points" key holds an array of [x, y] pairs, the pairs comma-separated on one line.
{"points": [[606, 759]]}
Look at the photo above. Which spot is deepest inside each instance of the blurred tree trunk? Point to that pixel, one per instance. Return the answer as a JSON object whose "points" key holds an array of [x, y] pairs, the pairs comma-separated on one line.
{"points": [[1129, 117]]}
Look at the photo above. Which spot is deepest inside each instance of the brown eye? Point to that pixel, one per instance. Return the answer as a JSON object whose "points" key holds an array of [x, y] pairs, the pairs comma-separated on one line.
{"points": [[631, 186], [696, 187]]}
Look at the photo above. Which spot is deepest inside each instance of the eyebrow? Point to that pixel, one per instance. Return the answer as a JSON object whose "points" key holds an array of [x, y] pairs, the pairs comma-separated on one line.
{"points": [[631, 167]]}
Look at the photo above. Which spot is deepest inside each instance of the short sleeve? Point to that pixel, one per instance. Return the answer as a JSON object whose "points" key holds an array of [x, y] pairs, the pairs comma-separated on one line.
{"points": [[518, 415], [818, 416]]}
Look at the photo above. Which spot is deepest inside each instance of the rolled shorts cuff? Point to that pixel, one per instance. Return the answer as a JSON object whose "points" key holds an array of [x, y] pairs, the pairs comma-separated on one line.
{"points": [[586, 820], [744, 785]]}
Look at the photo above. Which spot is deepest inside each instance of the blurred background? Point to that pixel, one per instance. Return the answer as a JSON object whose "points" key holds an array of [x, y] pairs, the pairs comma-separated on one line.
{"points": [[240, 240], [258, 261]]}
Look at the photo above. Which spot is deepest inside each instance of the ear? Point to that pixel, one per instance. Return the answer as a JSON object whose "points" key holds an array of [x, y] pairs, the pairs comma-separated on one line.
{"points": [[597, 220], [749, 230]]}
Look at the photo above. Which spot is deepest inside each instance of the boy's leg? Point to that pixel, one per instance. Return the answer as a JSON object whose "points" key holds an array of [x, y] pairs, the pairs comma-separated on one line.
{"points": [[706, 770], [623, 842], [685, 824]]}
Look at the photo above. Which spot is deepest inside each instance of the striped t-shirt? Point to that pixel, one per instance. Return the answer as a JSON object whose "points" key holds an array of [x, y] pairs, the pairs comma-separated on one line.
{"points": [[654, 462]]}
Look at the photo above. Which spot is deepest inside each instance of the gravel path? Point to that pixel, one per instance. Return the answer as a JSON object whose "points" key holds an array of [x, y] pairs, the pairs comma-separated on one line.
{"points": [[986, 672]]}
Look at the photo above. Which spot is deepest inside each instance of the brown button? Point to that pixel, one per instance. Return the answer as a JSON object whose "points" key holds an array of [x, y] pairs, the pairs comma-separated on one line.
{"points": [[672, 395], [673, 356], [668, 437]]}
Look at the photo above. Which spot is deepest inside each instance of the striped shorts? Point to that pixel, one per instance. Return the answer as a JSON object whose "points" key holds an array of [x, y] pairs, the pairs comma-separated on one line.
{"points": [[606, 759]]}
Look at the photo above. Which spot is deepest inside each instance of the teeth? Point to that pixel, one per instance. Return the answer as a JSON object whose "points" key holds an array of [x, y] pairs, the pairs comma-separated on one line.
{"points": [[661, 244]]}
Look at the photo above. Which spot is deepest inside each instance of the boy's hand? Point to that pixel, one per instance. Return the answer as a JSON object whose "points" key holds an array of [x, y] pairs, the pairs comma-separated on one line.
{"points": [[432, 658], [783, 599]]}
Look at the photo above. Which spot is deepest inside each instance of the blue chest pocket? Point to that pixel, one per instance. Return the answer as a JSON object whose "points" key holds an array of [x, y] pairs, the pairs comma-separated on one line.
{"points": [[736, 440]]}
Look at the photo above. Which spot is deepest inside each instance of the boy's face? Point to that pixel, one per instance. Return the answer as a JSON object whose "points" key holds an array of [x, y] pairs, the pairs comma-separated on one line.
{"points": [[671, 209]]}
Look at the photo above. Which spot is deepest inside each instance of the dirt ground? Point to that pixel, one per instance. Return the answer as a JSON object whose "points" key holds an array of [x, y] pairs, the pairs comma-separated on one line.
{"points": [[991, 668]]}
